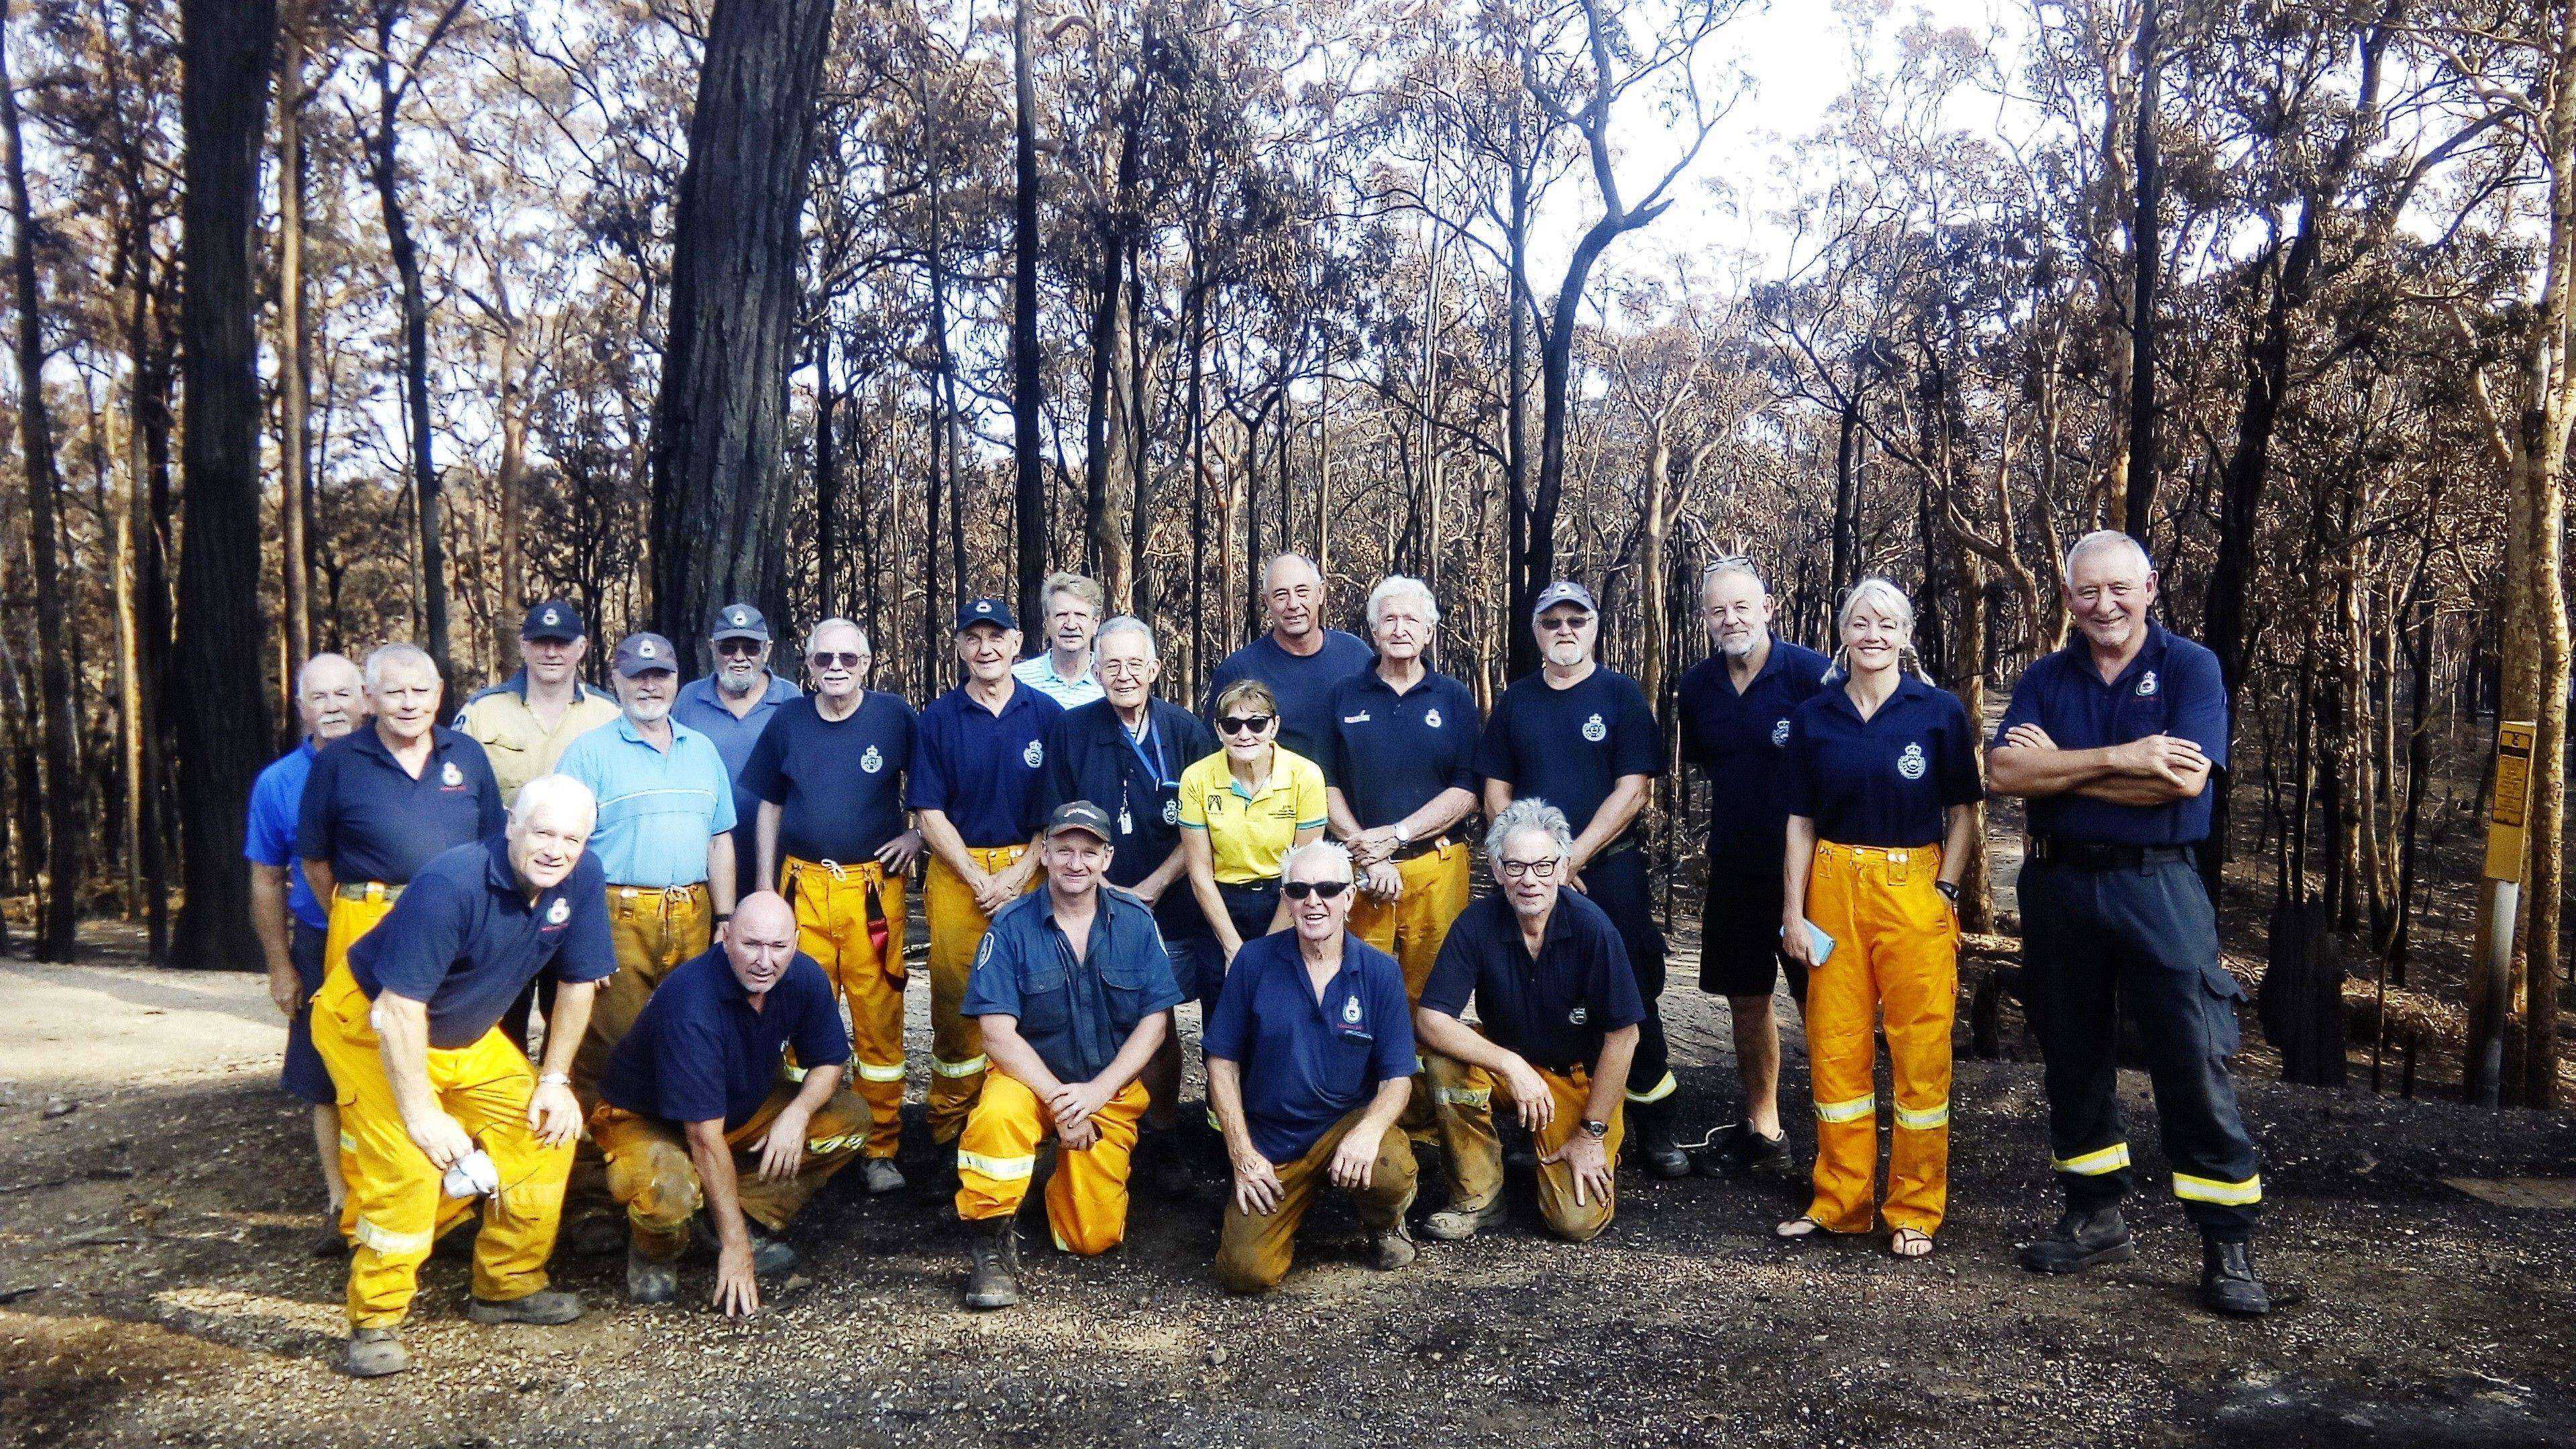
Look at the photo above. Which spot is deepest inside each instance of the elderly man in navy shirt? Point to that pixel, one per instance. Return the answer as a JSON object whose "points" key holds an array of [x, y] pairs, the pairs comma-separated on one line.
{"points": [[1310, 1061], [438, 1106], [698, 1110], [2112, 740]]}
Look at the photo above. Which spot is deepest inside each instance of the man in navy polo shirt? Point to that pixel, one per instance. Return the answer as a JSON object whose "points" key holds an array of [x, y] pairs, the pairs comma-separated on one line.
{"points": [[696, 1108], [1310, 1061], [1735, 708], [1559, 1011], [331, 700], [1300, 659], [978, 764], [439, 1106], [384, 800], [731, 706], [2112, 739], [1583, 739]]}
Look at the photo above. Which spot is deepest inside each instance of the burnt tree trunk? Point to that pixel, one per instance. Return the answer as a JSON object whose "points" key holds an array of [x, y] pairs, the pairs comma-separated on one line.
{"points": [[1028, 494]]}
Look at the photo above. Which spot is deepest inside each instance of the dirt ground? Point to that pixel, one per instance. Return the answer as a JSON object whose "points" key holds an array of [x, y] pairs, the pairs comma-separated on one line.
{"points": [[156, 1194]]}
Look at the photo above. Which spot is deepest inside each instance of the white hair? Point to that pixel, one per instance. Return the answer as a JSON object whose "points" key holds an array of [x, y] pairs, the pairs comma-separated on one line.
{"points": [[1733, 564], [1402, 586], [304, 676], [820, 625], [1289, 556], [1127, 624], [388, 654], [548, 790], [1332, 851], [2105, 538], [1529, 813], [1888, 596]]}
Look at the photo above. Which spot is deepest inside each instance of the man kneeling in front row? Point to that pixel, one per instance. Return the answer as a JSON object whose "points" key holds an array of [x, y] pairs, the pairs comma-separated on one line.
{"points": [[1560, 1010], [1074, 993], [697, 1110]]}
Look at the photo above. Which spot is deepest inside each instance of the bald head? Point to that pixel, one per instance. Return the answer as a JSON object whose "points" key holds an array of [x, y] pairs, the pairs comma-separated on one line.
{"points": [[1293, 591], [760, 940]]}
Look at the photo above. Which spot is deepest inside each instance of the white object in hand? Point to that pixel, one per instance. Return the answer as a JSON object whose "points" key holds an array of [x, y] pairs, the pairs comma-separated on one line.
{"points": [[472, 1176], [1820, 946]]}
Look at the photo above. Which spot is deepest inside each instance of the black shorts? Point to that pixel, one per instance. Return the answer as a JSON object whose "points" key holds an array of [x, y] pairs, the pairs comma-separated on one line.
{"points": [[1739, 936]]}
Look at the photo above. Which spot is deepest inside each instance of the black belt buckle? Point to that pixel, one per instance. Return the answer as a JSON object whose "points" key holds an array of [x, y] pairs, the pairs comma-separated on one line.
{"points": [[1420, 848], [2095, 855]]}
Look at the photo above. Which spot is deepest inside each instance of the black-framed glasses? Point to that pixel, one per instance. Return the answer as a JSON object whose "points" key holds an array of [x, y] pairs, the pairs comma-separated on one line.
{"points": [[1526, 869], [1298, 890], [737, 645], [1236, 724], [844, 659]]}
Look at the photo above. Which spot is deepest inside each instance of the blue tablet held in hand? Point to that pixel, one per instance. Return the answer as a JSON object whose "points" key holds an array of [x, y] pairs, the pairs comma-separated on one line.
{"points": [[1820, 947]]}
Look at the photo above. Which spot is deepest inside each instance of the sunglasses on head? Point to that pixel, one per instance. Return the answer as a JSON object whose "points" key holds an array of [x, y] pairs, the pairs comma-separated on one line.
{"points": [[737, 645], [1235, 724], [1298, 890], [846, 659]]}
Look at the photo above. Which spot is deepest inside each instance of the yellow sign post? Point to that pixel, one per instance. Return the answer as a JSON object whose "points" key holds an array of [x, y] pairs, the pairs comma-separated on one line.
{"points": [[2508, 841]]}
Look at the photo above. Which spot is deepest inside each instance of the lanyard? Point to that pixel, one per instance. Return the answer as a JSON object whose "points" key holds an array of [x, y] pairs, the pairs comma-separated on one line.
{"points": [[1157, 764]]}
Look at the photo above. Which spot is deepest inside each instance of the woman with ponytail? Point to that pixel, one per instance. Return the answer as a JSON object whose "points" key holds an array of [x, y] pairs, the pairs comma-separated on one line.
{"points": [[1881, 779]]}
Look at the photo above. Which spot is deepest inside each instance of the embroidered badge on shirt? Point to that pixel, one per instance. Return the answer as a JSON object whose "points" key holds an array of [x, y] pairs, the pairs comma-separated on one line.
{"points": [[1431, 717], [1172, 812], [1034, 755], [2146, 684], [1351, 1010], [451, 776], [1780, 733], [872, 761], [559, 912], [1578, 1016], [1910, 764], [1595, 731]]}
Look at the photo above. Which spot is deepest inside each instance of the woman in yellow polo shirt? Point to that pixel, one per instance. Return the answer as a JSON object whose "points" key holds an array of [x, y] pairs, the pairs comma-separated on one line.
{"points": [[1242, 810]]}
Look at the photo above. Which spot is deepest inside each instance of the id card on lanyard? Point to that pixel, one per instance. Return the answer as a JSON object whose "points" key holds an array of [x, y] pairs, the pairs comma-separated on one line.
{"points": [[1167, 789]]}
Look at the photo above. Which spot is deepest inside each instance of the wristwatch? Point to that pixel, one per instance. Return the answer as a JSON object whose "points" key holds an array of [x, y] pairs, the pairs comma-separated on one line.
{"points": [[1947, 889], [1595, 1129], [555, 1079], [1402, 835]]}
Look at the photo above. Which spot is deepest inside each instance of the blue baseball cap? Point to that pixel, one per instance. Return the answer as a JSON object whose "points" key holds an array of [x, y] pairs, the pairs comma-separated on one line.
{"points": [[996, 612], [552, 619], [642, 654], [739, 621]]}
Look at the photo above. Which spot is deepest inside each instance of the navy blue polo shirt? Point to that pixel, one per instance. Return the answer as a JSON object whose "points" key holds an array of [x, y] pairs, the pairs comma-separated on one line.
{"points": [[2172, 688], [1307, 1064], [1390, 754], [836, 783], [464, 939], [1553, 1010], [1738, 740], [1885, 782], [1090, 756], [1570, 746], [1075, 1014], [982, 769], [1303, 683], [700, 1052], [373, 821]]}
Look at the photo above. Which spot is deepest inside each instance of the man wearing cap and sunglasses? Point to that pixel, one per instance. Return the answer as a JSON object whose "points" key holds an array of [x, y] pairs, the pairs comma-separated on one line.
{"points": [[527, 721], [1582, 738], [978, 767], [664, 842], [1074, 994], [731, 706], [829, 773]]}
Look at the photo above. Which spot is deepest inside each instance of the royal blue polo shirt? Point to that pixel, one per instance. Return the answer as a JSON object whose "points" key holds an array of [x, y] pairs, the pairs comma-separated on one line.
{"points": [[837, 784], [268, 833], [701, 1052], [1306, 1064], [1137, 782], [981, 769], [1738, 739], [659, 809], [1390, 754], [2172, 688], [1570, 746], [1075, 1014], [1884, 782], [701, 708], [372, 820], [1554, 1009], [464, 939], [1303, 683]]}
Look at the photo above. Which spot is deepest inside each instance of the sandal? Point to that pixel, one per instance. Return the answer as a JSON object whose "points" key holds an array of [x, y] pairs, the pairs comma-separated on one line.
{"points": [[1910, 1243], [1798, 1229]]}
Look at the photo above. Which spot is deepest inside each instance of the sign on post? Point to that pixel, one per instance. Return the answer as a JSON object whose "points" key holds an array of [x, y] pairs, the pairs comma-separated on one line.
{"points": [[2509, 818]]}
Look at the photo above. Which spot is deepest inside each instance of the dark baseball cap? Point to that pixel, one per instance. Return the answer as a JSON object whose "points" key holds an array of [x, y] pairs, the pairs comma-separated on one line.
{"points": [[739, 621], [1563, 591], [1078, 815], [643, 653], [552, 619], [996, 612]]}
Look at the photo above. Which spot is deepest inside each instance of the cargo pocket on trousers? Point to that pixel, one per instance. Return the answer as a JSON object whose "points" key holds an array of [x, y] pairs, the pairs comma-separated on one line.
{"points": [[2221, 995]]}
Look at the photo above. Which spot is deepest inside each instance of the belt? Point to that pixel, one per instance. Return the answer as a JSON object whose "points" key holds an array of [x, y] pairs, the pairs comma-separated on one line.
{"points": [[2091, 855], [366, 890], [1421, 848], [664, 893]]}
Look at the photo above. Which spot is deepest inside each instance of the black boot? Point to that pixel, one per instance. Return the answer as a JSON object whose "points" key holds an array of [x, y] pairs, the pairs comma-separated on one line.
{"points": [[1651, 1127], [1739, 1150], [2080, 1240], [2227, 1281], [993, 1264]]}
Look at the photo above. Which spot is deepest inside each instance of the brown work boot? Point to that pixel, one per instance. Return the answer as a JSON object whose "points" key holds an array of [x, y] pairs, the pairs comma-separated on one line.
{"points": [[373, 1353], [648, 1281], [546, 1305], [993, 1264], [1392, 1248], [1458, 1224]]}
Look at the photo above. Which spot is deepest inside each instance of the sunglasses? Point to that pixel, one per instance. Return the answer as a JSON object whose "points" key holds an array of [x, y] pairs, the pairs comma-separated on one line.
{"points": [[1298, 890], [737, 645], [1236, 724], [844, 660]]}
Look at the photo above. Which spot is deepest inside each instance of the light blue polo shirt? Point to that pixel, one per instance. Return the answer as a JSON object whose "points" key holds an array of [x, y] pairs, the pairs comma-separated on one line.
{"points": [[1039, 674], [657, 809]]}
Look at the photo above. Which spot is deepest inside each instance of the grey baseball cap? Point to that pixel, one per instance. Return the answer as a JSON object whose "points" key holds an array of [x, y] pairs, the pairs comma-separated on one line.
{"points": [[642, 654], [1078, 815], [1563, 591], [739, 621]]}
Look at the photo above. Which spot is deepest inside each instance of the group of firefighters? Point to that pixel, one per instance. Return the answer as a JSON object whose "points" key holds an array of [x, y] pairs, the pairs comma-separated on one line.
{"points": [[672, 921]]}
